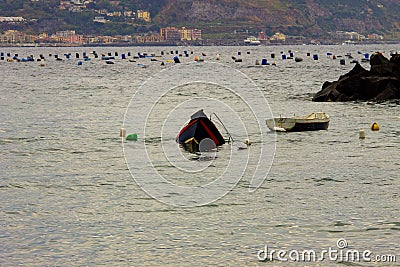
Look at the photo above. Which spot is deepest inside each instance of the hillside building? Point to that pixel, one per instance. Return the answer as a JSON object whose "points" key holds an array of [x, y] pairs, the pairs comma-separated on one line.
{"points": [[143, 15]]}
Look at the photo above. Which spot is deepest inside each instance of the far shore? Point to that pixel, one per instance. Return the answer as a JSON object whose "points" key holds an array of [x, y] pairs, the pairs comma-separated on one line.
{"points": [[208, 43]]}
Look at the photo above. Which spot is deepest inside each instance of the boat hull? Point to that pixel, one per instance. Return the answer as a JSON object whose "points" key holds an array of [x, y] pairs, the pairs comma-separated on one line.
{"points": [[312, 122], [200, 134], [314, 126]]}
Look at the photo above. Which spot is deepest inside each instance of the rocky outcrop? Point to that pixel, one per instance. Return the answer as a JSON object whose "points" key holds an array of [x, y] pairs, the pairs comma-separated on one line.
{"points": [[380, 83]]}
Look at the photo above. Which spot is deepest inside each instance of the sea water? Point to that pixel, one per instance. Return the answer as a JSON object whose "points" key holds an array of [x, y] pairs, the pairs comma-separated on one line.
{"points": [[73, 194]]}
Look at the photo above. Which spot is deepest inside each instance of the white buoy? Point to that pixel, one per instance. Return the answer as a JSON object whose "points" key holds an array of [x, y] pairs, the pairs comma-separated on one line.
{"points": [[122, 132], [42, 64], [247, 142], [218, 57], [361, 134]]}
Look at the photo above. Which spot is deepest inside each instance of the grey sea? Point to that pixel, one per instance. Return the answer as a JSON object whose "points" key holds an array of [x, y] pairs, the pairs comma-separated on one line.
{"points": [[73, 194]]}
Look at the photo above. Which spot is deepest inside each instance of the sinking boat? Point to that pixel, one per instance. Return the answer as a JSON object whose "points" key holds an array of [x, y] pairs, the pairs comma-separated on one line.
{"points": [[200, 134], [312, 122]]}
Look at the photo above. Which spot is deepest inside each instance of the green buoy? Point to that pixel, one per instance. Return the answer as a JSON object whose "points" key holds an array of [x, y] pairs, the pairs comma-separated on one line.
{"points": [[132, 137]]}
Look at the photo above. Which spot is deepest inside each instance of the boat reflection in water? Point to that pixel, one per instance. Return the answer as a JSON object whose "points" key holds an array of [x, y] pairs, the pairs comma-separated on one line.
{"points": [[200, 134], [312, 122]]}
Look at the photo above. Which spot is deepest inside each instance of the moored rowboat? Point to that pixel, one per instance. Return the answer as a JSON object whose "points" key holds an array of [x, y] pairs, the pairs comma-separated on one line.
{"points": [[312, 122]]}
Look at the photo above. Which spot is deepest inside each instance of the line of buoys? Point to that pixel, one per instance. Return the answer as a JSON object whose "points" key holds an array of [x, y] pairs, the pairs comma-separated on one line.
{"points": [[177, 59]]}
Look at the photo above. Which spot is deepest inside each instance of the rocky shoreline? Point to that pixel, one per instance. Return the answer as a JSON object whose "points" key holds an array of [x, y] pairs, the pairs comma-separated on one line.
{"points": [[380, 83]]}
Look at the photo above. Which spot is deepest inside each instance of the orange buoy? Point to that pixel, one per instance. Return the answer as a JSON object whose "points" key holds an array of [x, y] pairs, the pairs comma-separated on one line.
{"points": [[375, 127]]}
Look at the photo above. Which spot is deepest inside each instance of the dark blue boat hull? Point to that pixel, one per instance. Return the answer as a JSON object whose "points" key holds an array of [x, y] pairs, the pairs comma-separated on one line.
{"points": [[312, 126]]}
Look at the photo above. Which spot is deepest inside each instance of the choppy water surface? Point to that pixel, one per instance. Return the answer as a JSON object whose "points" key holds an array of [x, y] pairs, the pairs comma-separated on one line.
{"points": [[68, 198]]}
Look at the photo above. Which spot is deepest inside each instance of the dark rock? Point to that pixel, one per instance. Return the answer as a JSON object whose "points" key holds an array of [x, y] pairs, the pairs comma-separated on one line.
{"points": [[380, 83], [378, 59]]}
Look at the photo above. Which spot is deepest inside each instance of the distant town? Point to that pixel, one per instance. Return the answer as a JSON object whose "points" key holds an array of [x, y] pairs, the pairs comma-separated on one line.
{"points": [[166, 36]]}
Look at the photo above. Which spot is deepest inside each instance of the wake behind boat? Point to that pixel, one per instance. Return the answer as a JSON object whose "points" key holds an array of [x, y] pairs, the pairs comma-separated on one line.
{"points": [[200, 134], [312, 122]]}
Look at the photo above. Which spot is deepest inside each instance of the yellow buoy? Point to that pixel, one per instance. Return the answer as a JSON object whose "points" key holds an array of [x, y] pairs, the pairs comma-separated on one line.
{"points": [[362, 134], [375, 127], [122, 133]]}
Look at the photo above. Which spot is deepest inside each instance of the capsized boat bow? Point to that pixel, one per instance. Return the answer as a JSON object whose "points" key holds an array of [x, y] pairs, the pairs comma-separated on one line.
{"points": [[200, 134]]}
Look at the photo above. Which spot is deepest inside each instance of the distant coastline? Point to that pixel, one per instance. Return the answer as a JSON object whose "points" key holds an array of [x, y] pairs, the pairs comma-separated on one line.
{"points": [[205, 43]]}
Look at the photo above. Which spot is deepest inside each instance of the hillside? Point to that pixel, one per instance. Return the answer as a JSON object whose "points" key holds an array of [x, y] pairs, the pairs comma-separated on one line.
{"points": [[311, 18], [296, 17]]}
